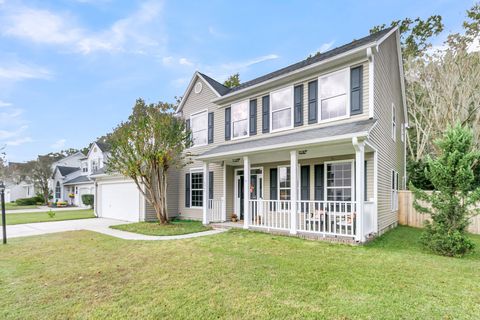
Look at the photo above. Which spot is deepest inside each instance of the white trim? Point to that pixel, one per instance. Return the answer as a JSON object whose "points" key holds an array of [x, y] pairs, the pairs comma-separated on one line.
{"points": [[347, 93], [248, 119], [224, 198], [278, 181], [393, 124], [379, 42], [402, 77], [336, 57], [371, 82], [375, 182], [190, 87], [235, 187], [281, 146], [291, 87], [197, 114], [195, 170], [325, 163]]}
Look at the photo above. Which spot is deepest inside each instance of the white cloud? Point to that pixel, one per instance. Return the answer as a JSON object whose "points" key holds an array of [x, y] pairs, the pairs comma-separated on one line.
{"points": [[133, 34], [19, 141], [4, 104], [185, 62], [59, 144], [14, 130], [168, 61], [214, 32], [326, 46], [17, 71]]}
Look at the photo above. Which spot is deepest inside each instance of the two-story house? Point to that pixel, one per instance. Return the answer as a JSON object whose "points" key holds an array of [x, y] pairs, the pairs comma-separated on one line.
{"points": [[316, 148], [75, 179]]}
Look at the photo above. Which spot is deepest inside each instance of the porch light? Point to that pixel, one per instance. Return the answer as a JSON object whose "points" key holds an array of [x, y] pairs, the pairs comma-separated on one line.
{"points": [[302, 152], [236, 160]]}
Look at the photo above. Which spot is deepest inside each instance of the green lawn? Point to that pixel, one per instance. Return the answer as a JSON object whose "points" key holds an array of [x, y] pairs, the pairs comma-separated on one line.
{"points": [[155, 229], [18, 218], [14, 206], [237, 275]]}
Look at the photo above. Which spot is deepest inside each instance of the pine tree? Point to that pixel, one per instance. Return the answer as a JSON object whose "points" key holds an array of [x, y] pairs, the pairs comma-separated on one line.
{"points": [[452, 203]]}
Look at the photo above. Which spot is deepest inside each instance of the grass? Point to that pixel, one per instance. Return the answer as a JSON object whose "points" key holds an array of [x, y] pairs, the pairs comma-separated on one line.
{"points": [[14, 206], [237, 274], [19, 218], [175, 227]]}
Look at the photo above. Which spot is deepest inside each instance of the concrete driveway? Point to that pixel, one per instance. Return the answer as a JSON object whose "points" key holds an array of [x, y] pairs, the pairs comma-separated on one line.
{"points": [[33, 229]]}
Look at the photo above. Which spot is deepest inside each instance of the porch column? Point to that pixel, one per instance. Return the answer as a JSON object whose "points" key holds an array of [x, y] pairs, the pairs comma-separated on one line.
{"points": [[293, 190], [246, 192], [205, 192], [224, 198], [359, 147]]}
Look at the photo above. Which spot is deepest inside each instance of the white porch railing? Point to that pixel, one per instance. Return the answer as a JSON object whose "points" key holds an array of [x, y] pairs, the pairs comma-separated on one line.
{"points": [[270, 214], [215, 210], [334, 218], [327, 217]]}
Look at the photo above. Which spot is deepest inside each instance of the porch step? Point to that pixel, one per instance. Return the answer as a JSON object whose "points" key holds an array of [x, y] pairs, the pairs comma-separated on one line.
{"points": [[227, 225]]}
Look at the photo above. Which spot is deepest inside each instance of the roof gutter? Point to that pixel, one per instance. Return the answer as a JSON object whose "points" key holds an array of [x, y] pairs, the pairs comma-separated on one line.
{"points": [[373, 44]]}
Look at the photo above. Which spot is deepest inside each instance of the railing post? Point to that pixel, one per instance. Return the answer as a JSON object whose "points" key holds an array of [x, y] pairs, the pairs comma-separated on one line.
{"points": [[205, 192], [293, 190], [246, 193], [359, 147]]}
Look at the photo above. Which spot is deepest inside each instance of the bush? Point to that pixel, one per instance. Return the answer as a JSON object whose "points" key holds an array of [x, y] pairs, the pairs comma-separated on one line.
{"points": [[26, 201], [88, 199]]}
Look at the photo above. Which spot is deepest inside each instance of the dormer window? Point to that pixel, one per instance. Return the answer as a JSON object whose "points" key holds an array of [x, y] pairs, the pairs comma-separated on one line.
{"points": [[240, 119], [281, 102], [333, 93]]}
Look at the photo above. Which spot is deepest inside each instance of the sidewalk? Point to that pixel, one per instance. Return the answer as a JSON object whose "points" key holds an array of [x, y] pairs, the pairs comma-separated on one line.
{"points": [[100, 225], [44, 209]]}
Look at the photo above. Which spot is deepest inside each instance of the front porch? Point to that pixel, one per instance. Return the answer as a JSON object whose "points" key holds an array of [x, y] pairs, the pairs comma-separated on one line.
{"points": [[322, 198]]}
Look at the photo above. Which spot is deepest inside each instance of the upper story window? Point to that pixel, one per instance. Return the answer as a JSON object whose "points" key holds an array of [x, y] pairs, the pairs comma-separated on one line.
{"points": [[394, 122], [281, 102], [84, 166], [199, 128], [95, 164], [334, 94], [240, 114]]}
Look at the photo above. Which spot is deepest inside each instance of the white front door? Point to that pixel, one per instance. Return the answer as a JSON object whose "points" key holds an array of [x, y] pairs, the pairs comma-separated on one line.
{"points": [[256, 188]]}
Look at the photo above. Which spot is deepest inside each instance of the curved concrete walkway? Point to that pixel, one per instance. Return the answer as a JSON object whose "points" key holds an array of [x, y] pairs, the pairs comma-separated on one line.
{"points": [[100, 225]]}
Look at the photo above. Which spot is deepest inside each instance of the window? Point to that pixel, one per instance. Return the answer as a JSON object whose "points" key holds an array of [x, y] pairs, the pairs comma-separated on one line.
{"points": [[199, 128], [339, 186], [240, 119], [281, 106], [333, 89], [394, 193], [196, 187], [84, 166], [284, 183], [394, 124], [94, 165], [58, 191]]}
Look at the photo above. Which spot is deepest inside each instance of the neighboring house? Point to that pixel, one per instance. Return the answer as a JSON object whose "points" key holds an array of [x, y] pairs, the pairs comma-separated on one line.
{"points": [[17, 186], [337, 118], [76, 180]]}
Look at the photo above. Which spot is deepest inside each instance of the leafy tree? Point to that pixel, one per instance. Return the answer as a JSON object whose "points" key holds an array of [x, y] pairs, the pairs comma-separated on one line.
{"points": [[451, 204], [416, 174], [146, 147], [232, 81], [41, 172], [415, 33]]}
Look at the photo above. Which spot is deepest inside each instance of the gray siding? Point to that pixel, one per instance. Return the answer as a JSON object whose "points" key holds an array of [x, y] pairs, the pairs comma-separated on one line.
{"points": [[387, 89]]}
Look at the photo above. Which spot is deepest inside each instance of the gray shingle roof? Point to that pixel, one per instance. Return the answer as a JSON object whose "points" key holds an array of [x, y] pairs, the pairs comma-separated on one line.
{"points": [[79, 179], [222, 90], [300, 137], [67, 170], [103, 146]]}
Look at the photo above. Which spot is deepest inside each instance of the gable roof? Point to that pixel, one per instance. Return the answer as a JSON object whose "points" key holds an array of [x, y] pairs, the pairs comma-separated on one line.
{"points": [[220, 88], [103, 146], [78, 153], [78, 180], [212, 84], [66, 170]]}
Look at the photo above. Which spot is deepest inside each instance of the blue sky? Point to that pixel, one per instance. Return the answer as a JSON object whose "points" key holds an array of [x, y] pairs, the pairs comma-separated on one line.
{"points": [[70, 70]]}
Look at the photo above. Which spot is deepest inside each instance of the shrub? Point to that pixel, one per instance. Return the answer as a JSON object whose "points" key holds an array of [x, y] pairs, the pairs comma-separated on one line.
{"points": [[51, 213], [454, 197], [88, 199], [26, 201]]}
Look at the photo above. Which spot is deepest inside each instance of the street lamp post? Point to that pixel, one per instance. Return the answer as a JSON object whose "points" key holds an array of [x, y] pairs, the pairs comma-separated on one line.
{"points": [[4, 222]]}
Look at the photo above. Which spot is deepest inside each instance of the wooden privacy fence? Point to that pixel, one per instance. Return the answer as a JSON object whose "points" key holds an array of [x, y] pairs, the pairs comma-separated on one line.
{"points": [[407, 215]]}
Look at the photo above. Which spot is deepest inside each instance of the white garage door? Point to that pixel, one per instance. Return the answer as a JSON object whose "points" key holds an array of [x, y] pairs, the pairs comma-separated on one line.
{"points": [[119, 201]]}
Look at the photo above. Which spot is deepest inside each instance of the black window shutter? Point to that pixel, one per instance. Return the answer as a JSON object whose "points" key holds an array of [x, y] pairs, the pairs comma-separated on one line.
{"points": [[273, 184], [210, 127], [210, 185], [312, 101], [298, 105], [266, 114], [253, 117], [356, 75], [365, 181], [187, 190], [228, 114], [319, 173], [305, 183]]}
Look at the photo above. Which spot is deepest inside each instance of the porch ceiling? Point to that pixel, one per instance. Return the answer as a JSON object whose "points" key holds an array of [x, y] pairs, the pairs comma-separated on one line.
{"points": [[312, 143]]}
